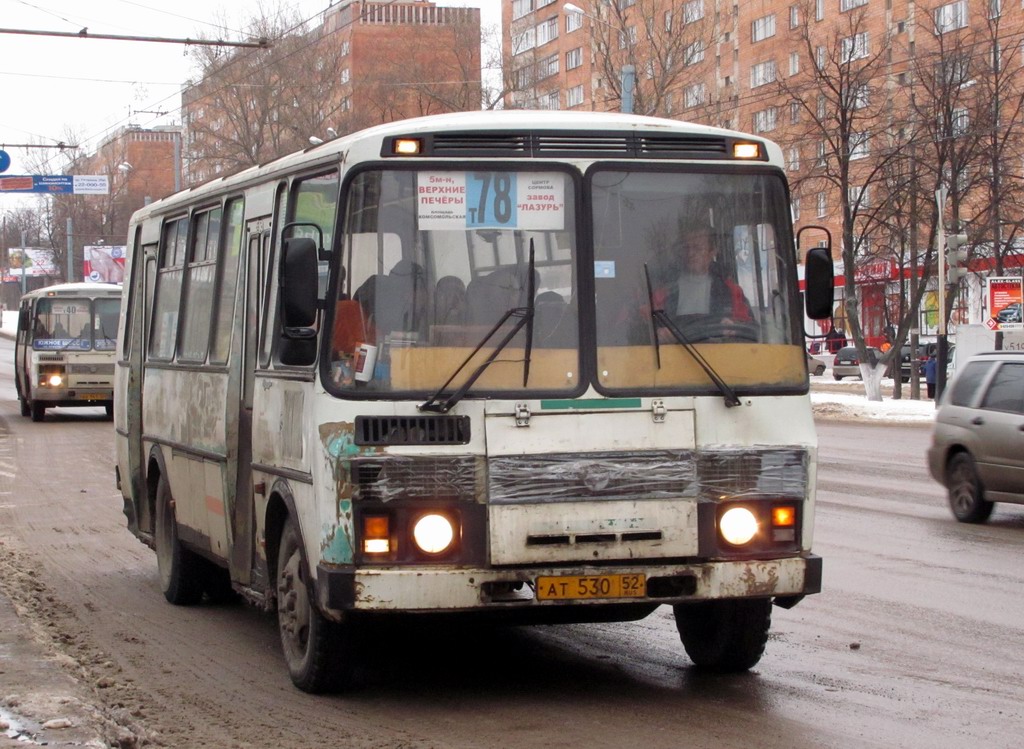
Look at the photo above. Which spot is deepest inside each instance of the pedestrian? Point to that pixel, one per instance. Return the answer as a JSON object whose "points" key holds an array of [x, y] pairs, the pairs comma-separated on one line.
{"points": [[930, 368]]}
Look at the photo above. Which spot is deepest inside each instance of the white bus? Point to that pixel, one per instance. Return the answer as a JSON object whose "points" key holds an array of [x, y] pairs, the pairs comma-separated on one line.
{"points": [[64, 351], [432, 367]]}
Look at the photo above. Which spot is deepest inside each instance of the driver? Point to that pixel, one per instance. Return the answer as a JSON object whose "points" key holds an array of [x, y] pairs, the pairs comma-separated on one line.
{"points": [[702, 290]]}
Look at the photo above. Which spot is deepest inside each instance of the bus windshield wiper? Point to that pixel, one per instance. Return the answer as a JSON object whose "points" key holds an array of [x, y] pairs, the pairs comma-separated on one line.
{"points": [[660, 316], [525, 315]]}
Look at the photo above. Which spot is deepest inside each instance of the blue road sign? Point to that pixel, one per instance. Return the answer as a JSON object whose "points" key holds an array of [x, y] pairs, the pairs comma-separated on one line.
{"points": [[5, 161]]}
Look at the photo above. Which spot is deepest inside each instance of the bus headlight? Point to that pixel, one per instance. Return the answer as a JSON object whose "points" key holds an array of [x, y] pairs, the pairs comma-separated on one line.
{"points": [[738, 526], [433, 533], [55, 380]]}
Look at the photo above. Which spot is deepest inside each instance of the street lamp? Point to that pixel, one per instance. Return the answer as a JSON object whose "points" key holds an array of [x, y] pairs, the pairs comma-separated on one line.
{"points": [[627, 72]]}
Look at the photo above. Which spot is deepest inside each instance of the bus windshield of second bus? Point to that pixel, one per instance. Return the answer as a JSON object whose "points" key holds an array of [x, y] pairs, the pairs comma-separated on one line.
{"points": [[423, 291], [75, 324]]}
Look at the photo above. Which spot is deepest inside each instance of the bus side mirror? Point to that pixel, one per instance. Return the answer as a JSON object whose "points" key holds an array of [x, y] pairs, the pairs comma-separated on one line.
{"points": [[299, 287], [818, 283]]}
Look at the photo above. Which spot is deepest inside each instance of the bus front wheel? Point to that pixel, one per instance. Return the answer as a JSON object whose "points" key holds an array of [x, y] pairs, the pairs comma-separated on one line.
{"points": [[319, 652], [38, 409], [26, 409], [181, 579], [726, 636]]}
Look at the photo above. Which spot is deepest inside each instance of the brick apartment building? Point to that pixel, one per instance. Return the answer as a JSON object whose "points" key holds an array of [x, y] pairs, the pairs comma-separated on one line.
{"points": [[367, 62], [841, 84], [142, 165]]}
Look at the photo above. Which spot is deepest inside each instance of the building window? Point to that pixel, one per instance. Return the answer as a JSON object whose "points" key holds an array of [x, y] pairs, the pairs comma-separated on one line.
{"points": [[765, 120], [544, 3], [961, 121], [794, 208], [822, 107], [346, 74], [695, 95], [547, 31], [819, 10], [794, 63], [524, 41], [694, 53], [794, 112], [762, 73], [951, 17], [995, 8], [573, 21], [819, 57], [855, 47], [794, 16], [548, 101], [845, 5], [793, 159], [693, 11], [762, 28], [858, 146], [520, 8], [861, 96], [668, 21], [346, 48], [574, 58], [574, 96], [547, 67], [822, 205], [623, 4], [820, 160]]}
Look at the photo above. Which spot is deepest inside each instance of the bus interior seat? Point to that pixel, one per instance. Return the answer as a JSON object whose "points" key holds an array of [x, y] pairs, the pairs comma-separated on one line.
{"points": [[349, 327], [401, 299], [491, 296], [554, 324]]}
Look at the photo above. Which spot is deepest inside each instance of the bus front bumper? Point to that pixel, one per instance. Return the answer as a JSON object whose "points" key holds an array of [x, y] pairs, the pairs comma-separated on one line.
{"points": [[440, 589]]}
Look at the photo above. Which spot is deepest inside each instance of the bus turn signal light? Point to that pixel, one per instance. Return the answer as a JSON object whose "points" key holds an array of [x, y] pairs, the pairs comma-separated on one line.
{"points": [[746, 150], [376, 534], [783, 516]]}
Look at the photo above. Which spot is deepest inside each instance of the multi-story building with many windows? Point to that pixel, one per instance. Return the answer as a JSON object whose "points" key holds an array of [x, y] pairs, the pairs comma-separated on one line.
{"points": [[877, 104]]}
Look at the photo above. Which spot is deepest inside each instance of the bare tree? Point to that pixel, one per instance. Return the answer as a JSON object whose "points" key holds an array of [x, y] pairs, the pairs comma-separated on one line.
{"points": [[840, 107], [662, 40]]}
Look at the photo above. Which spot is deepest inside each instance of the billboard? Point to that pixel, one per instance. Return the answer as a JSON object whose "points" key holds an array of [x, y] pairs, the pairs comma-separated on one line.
{"points": [[1005, 296], [104, 263], [29, 262]]}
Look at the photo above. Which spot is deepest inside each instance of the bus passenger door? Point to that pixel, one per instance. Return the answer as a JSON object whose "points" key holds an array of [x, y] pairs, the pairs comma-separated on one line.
{"points": [[242, 514]]}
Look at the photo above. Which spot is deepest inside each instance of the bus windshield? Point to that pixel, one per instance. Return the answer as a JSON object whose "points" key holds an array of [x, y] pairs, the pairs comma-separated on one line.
{"points": [[75, 324], [712, 251], [437, 264]]}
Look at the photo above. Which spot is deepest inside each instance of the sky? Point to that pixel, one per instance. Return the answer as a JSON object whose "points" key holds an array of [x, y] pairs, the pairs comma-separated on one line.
{"points": [[50, 86]]}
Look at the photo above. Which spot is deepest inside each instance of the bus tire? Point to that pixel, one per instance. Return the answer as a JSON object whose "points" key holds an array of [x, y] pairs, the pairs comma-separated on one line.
{"points": [[109, 409], [181, 579], [725, 636], [26, 410], [319, 652], [38, 409]]}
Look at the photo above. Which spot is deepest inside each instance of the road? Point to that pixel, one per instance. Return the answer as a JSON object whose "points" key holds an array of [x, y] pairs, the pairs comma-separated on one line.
{"points": [[914, 642]]}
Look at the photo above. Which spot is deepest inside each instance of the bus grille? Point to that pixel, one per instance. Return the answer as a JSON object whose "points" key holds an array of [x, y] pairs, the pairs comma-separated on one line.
{"points": [[398, 477], [412, 430], [91, 369], [536, 144]]}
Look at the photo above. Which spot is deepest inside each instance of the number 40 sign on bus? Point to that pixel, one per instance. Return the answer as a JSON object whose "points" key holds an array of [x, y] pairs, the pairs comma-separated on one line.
{"points": [[494, 200]]}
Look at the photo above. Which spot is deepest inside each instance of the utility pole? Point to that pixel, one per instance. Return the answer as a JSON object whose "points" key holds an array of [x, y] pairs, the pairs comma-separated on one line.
{"points": [[942, 355]]}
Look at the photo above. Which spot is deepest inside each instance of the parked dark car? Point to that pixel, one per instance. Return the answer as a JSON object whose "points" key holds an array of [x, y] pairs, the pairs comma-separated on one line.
{"points": [[847, 363], [977, 449], [1010, 313], [922, 357]]}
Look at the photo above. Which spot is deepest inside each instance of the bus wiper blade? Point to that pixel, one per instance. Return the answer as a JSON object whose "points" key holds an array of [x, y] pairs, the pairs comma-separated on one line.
{"points": [[525, 315], [660, 316], [433, 405]]}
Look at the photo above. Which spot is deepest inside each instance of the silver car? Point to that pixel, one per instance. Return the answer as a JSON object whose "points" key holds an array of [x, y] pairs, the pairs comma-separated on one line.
{"points": [[847, 362], [977, 448]]}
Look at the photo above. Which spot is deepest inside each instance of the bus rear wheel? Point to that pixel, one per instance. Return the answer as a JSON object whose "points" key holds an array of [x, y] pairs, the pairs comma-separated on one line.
{"points": [[724, 636], [181, 578], [319, 652], [38, 410]]}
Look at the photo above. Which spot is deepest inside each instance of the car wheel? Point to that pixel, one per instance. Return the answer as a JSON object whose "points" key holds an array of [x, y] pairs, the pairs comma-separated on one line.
{"points": [[966, 495], [725, 636], [819, 370], [837, 377], [319, 653], [180, 570]]}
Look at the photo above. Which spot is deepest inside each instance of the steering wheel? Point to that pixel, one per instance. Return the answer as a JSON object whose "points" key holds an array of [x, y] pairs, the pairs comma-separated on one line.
{"points": [[708, 328]]}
